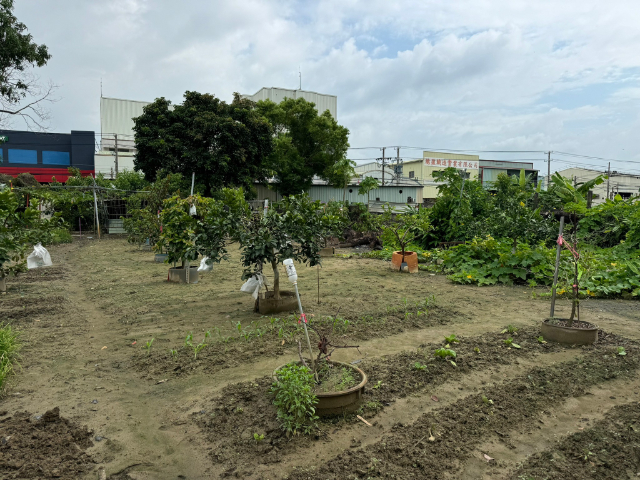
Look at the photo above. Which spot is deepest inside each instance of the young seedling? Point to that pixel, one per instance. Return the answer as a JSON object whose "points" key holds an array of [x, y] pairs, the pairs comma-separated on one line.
{"points": [[509, 343], [258, 438], [188, 339], [147, 346], [621, 351], [487, 401], [378, 385], [446, 353], [419, 366], [173, 353], [239, 327], [477, 350], [541, 339], [451, 339], [511, 329]]}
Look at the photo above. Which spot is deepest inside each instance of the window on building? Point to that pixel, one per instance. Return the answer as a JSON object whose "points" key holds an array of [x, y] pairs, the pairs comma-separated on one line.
{"points": [[412, 174], [55, 158], [23, 156]]}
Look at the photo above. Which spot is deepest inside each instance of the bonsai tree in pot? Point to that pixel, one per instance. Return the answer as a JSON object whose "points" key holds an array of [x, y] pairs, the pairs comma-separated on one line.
{"points": [[400, 229], [293, 229]]}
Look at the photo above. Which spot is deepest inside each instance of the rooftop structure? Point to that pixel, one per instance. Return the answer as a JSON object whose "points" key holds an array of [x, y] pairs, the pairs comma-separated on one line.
{"points": [[322, 101]]}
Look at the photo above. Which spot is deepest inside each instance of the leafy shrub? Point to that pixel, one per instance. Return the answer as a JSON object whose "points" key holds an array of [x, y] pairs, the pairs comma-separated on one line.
{"points": [[9, 347], [294, 399]]}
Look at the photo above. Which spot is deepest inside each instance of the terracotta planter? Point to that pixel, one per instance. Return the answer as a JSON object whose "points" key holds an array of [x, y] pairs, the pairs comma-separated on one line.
{"points": [[569, 335], [337, 403], [327, 252], [410, 259], [179, 275], [267, 304]]}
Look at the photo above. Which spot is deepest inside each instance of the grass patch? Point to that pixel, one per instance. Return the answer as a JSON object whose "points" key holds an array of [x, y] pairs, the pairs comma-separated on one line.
{"points": [[9, 347]]}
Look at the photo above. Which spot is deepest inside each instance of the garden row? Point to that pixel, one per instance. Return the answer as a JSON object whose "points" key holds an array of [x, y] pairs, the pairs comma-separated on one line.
{"points": [[242, 410]]}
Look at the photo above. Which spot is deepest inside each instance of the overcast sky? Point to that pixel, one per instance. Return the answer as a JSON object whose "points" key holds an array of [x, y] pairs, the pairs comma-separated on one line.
{"points": [[463, 75]]}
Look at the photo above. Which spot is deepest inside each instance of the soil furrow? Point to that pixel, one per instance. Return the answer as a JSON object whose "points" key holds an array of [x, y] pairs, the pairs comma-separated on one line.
{"points": [[610, 449], [458, 429], [570, 417]]}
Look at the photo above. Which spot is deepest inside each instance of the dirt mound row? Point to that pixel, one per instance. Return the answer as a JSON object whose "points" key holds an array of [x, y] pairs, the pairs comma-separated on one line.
{"points": [[437, 442], [272, 341], [46, 447], [610, 449], [245, 408]]}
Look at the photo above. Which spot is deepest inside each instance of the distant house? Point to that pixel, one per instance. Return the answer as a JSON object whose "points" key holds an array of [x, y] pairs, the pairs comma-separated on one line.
{"points": [[624, 184]]}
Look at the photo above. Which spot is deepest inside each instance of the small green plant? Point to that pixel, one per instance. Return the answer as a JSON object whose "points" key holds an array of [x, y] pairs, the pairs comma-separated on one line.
{"points": [[147, 346], [258, 438], [294, 399], [541, 339], [188, 339], [9, 348], [487, 401], [451, 338], [239, 327], [477, 350], [418, 366], [509, 343], [174, 353], [511, 329], [196, 348], [621, 351], [378, 385], [447, 354]]}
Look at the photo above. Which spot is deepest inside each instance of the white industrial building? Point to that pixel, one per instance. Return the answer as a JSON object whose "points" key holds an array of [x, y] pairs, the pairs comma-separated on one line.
{"points": [[322, 101], [624, 184]]}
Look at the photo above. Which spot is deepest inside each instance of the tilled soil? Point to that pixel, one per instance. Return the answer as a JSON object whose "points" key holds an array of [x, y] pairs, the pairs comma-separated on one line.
{"points": [[267, 339], [46, 447], [610, 449], [230, 420], [438, 441]]}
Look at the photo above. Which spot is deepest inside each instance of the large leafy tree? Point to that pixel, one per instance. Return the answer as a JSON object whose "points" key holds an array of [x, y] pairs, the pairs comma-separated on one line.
{"points": [[21, 94], [225, 144], [305, 143]]}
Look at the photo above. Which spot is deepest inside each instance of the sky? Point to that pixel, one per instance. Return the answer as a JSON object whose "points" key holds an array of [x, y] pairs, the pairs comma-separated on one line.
{"points": [[479, 76]]}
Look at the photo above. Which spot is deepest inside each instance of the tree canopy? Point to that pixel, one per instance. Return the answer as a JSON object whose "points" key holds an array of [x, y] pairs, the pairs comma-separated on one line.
{"points": [[226, 145], [305, 143], [20, 92]]}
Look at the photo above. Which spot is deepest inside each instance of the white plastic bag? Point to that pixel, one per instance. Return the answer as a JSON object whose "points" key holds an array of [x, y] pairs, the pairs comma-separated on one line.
{"points": [[253, 285], [192, 210], [205, 266], [39, 258]]}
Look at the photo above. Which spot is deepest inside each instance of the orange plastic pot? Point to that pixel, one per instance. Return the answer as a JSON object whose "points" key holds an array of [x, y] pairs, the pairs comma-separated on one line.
{"points": [[410, 260]]}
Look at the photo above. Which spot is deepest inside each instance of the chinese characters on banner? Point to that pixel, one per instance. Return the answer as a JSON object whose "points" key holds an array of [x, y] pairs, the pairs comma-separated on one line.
{"points": [[443, 162]]}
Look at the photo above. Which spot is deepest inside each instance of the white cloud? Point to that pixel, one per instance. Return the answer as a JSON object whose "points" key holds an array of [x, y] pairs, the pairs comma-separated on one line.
{"points": [[474, 74]]}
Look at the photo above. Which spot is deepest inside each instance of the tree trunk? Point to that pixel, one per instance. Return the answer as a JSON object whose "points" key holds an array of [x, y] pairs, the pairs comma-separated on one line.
{"points": [[574, 302], [515, 245], [344, 195], [367, 201], [276, 280], [3, 285]]}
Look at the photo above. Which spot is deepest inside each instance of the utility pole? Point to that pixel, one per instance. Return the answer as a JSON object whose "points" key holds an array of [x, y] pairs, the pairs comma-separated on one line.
{"points": [[116, 137], [548, 169], [398, 166], [383, 166], [608, 176]]}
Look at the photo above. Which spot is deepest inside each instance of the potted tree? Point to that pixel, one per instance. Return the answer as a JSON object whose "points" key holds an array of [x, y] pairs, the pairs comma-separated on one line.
{"points": [[292, 230], [401, 229], [177, 237], [572, 330]]}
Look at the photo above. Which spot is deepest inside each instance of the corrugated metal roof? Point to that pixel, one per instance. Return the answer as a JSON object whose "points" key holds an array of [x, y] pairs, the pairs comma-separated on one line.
{"points": [[322, 101], [116, 116]]}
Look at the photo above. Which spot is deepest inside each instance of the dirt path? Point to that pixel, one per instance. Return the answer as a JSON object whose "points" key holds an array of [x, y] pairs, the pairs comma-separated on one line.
{"points": [[107, 294]]}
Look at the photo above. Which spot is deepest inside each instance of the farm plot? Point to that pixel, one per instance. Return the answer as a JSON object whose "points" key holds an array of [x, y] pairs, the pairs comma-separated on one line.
{"points": [[88, 324]]}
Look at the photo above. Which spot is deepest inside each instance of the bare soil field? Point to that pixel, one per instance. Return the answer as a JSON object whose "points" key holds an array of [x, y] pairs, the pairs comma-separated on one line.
{"points": [[90, 400]]}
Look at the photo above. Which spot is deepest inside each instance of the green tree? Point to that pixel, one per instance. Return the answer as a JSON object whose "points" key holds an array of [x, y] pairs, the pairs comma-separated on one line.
{"points": [[305, 143], [224, 144], [368, 184], [340, 174], [292, 230], [21, 95]]}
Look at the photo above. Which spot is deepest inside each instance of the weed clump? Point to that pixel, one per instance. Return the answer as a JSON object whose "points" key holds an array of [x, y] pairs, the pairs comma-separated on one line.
{"points": [[294, 399], [9, 347]]}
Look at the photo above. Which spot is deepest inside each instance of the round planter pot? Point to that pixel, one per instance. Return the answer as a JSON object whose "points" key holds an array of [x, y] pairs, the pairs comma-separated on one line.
{"points": [[285, 303], [179, 275], [327, 251], [569, 335], [409, 264], [160, 257], [337, 403]]}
